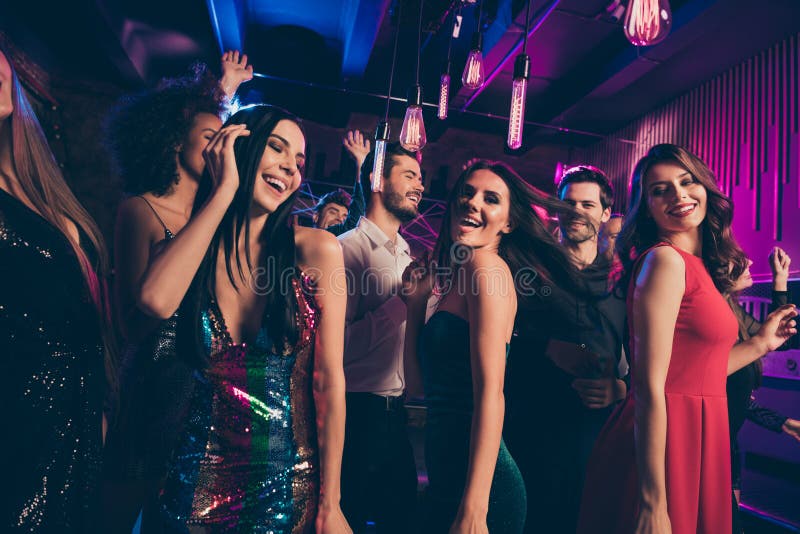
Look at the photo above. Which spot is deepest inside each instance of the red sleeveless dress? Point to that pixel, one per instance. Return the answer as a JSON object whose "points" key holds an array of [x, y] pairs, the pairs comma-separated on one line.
{"points": [[698, 470]]}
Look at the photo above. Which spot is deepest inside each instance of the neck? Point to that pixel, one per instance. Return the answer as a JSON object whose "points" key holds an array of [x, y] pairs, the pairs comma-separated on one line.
{"points": [[689, 241], [388, 223], [184, 192], [581, 254]]}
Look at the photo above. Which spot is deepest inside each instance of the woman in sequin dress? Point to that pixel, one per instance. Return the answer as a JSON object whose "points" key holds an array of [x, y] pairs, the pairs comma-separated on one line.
{"points": [[52, 318], [157, 138], [261, 327], [490, 239]]}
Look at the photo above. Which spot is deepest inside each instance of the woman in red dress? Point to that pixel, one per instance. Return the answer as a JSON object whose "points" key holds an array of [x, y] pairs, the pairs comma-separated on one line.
{"points": [[662, 462]]}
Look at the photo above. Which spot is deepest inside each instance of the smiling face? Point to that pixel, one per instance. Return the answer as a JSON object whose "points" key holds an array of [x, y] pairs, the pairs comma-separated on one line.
{"points": [[585, 198], [675, 199], [608, 235], [744, 281], [482, 214], [6, 103], [279, 172], [190, 154], [402, 189]]}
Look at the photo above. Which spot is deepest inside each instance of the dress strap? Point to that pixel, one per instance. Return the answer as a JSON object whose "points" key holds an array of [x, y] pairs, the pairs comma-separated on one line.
{"points": [[167, 233]]}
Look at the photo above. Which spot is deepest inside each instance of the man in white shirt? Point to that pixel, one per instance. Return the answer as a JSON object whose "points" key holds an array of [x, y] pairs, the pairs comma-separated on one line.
{"points": [[379, 479]]}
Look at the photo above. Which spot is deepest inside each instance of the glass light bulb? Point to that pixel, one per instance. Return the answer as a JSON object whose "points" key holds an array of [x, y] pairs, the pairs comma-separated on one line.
{"points": [[377, 168], [473, 70], [516, 118], [444, 95], [647, 22], [412, 135]]}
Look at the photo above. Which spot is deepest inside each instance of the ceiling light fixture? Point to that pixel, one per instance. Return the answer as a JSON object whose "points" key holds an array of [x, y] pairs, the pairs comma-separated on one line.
{"points": [[647, 22], [412, 134], [519, 89], [473, 76]]}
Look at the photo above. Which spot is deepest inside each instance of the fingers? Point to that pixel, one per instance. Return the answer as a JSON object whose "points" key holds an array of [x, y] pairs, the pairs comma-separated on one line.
{"points": [[243, 61]]}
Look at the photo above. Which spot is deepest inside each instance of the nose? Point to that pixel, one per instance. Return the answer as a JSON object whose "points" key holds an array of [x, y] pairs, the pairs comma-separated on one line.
{"points": [[289, 166]]}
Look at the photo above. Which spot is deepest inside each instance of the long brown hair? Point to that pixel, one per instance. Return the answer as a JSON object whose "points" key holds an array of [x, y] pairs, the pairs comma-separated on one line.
{"points": [[639, 231], [41, 180]]}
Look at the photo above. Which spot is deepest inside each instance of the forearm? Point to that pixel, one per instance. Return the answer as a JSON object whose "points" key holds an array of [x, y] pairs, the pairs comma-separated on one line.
{"points": [[487, 428], [329, 388], [170, 274], [745, 353], [650, 437]]}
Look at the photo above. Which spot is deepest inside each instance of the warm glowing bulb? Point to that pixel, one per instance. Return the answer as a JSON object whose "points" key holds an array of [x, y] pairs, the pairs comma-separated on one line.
{"points": [[444, 95], [412, 135], [517, 118], [377, 168], [647, 22], [473, 70]]}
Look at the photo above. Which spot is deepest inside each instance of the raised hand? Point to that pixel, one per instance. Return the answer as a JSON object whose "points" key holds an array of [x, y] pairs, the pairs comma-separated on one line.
{"points": [[235, 71], [220, 159], [792, 427], [779, 262], [357, 145]]}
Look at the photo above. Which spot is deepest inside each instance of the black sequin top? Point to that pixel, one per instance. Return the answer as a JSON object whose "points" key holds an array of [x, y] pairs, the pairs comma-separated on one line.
{"points": [[52, 379]]}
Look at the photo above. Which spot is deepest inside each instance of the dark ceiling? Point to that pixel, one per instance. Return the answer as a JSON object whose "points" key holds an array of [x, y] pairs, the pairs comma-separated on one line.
{"points": [[326, 58]]}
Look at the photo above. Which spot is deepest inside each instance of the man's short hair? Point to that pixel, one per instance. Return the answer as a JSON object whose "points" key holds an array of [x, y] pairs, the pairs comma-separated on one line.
{"points": [[392, 149], [339, 196], [588, 174]]}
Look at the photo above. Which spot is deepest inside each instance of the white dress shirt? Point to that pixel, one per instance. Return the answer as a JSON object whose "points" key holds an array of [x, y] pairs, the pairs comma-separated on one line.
{"points": [[375, 322]]}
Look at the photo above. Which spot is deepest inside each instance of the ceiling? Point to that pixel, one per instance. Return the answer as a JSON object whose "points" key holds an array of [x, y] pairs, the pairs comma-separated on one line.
{"points": [[324, 59]]}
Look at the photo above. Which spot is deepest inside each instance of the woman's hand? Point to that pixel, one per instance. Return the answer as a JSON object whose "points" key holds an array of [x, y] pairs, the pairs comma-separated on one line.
{"points": [[357, 146], [235, 71], [653, 521], [779, 262], [792, 427], [330, 520], [417, 281], [779, 326], [467, 523], [220, 159]]}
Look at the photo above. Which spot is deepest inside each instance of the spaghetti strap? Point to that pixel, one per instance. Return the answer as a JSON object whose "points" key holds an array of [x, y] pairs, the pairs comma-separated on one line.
{"points": [[167, 233]]}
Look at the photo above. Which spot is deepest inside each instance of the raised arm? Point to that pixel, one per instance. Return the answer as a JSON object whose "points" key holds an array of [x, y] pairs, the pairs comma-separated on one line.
{"points": [[323, 255], [660, 286], [491, 306], [358, 147], [171, 271], [779, 327], [235, 71]]}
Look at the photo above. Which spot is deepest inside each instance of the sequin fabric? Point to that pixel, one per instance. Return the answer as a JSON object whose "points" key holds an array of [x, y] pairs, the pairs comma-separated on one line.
{"points": [[51, 367], [247, 459]]}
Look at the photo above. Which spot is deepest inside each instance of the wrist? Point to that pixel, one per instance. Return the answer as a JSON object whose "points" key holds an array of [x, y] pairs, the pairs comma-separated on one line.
{"points": [[780, 283]]}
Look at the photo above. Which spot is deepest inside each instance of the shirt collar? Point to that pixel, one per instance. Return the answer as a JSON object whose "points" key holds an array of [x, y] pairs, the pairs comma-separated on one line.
{"points": [[379, 239]]}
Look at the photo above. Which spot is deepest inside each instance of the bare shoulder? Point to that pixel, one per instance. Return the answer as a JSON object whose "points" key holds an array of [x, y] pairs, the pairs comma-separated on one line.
{"points": [[135, 216], [315, 247], [662, 267], [483, 260]]}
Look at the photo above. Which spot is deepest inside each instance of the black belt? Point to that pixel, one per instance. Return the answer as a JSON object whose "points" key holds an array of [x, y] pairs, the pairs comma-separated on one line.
{"points": [[387, 402]]}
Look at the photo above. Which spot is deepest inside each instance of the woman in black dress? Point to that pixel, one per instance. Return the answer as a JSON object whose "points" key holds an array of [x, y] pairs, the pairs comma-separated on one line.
{"points": [[52, 318]]}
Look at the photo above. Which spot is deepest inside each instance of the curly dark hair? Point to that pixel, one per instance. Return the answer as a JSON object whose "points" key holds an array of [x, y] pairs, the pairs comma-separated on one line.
{"points": [[639, 231], [339, 196], [144, 130], [587, 174]]}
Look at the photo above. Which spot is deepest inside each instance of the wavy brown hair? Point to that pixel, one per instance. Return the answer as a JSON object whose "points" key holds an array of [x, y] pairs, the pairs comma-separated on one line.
{"points": [[529, 246], [639, 231]]}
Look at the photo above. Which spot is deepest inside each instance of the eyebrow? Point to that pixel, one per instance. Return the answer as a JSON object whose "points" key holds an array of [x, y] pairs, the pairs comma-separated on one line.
{"points": [[285, 142], [410, 171], [212, 130], [681, 175]]}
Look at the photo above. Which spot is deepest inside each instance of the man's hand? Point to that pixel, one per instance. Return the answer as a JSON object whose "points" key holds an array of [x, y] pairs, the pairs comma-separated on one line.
{"points": [[357, 146], [598, 393], [235, 71]]}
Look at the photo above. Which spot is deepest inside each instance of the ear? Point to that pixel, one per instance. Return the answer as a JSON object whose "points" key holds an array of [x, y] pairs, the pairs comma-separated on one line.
{"points": [[508, 228], [606, 215]]}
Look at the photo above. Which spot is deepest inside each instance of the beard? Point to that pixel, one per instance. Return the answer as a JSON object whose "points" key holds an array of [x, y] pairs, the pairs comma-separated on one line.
{"points": [[580, 234], [393, 201]]}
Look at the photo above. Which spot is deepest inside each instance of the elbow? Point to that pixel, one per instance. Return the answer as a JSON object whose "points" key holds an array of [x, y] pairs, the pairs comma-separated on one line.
{"points": [[154, 304]]}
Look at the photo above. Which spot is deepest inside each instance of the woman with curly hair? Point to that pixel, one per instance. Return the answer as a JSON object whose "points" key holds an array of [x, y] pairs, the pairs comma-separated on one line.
{"points": [[661, 463], [53, 320], [157, 138]]}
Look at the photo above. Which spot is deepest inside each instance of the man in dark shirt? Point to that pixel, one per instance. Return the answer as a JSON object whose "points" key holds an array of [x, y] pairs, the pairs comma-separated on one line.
{"points": [[554, 416]]}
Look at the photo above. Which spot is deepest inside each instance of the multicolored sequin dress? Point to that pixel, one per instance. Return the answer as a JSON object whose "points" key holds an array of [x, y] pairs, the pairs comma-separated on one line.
{"points": [[51, 367], [247, 459]]}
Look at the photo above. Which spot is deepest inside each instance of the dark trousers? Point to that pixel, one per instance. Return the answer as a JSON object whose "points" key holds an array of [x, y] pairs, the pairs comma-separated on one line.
{"points": [[379, 477]]}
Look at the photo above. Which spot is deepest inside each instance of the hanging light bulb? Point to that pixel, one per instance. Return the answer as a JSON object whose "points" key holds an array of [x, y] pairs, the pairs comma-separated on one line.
{"points": [[381, 137], [522, 71], [647, 22], [444, 93], [412, 135], [473, 70]]}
